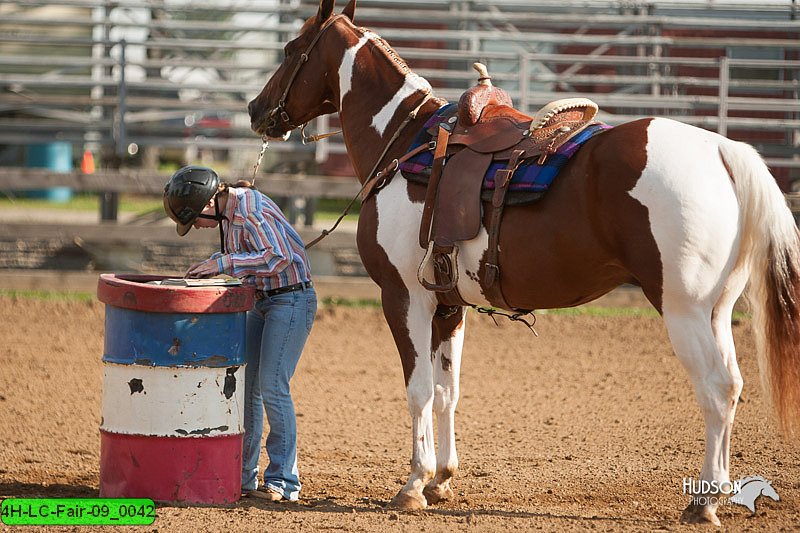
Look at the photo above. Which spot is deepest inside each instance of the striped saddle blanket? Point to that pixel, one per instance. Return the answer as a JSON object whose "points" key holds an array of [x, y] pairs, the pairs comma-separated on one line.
{"points": [[529, 182]]}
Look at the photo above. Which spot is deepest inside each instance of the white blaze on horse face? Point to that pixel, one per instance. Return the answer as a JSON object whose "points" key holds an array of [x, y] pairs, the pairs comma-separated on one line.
{"points": [[348, 65], [691, 204], [412, 83]]}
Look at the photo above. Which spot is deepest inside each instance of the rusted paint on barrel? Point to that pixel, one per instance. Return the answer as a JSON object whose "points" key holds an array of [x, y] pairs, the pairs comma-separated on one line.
{"points": [[173, 390]]}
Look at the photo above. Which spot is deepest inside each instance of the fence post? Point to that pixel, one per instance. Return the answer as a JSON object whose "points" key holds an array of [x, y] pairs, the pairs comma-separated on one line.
{"points": [[524, 81], [322, 147], [122, 94], [724, 79], [109, 201]]}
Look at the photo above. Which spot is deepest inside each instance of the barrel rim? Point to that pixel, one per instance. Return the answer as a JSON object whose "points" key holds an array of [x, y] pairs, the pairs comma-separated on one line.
{"points": [[130, 291]]}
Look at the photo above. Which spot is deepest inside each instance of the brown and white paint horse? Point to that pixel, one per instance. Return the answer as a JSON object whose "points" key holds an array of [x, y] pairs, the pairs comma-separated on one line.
{"points": [[686, 214]]}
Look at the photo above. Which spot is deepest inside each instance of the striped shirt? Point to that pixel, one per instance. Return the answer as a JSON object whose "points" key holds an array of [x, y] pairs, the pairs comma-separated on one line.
{"points": [[263, 249]]}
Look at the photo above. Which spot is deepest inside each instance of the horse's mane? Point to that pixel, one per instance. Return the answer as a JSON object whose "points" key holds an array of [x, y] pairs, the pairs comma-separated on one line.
{"points": [[381, 42]]}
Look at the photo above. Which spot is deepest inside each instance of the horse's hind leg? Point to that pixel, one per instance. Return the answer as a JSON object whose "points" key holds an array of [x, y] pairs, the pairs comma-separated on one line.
{"points": [[448, 340], [703, 341], [410, 317]]}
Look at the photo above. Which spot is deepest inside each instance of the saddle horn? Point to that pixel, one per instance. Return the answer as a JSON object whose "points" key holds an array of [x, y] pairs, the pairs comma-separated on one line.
{"points": [[483, 73], [476, 98]]}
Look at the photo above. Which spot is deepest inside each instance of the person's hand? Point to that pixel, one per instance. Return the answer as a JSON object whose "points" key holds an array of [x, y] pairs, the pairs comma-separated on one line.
{"points": [[203, 269]]}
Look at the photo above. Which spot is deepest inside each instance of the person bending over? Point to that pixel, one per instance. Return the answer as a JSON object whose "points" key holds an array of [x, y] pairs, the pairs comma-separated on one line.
{"points": [[261, 248]]}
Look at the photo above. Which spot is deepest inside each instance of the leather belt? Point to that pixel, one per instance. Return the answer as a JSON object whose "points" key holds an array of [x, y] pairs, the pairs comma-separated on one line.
{"points": [[260, 295]]}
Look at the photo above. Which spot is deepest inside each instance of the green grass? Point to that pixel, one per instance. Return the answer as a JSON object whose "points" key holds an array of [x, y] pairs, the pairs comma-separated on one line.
{"points": [[49, 296], [348, 302], [85, 202], [597, 311]]}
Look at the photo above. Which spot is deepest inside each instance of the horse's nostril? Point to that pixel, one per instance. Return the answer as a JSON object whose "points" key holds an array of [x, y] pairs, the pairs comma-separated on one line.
{"points": [[251, 107]]}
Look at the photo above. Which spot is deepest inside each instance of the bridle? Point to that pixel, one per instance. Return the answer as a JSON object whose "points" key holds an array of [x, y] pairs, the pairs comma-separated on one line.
{"points": [[279, 111]]}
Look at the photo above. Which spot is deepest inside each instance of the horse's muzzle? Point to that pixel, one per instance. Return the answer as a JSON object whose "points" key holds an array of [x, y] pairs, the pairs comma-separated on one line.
{"points": [[274, 125]]}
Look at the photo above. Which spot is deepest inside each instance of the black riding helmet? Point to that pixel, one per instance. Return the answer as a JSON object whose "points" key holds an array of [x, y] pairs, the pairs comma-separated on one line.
{"points": [[187, 193]]}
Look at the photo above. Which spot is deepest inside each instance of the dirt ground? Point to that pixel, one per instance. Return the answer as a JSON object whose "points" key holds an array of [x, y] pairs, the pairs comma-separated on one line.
{"points": [[592, 425]]}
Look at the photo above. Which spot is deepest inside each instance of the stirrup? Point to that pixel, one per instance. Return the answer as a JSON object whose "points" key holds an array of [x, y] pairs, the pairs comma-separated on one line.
{"points": [[446, 263]]}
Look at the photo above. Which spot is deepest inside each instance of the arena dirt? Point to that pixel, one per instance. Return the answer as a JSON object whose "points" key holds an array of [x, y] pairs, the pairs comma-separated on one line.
{"points": [[592, 425]]}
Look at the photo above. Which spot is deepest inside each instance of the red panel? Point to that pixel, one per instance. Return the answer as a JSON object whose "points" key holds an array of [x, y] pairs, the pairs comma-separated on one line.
{"points": [[130, 291], [169, 469]]}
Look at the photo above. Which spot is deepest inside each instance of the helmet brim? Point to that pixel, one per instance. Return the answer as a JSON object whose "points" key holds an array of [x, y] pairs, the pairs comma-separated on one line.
{"points": [[180, 227], [183, 229]]}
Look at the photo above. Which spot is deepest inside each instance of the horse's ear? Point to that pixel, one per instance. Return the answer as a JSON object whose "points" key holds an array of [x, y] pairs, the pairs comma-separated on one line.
{"points": [[349, 10], [325, 10]]}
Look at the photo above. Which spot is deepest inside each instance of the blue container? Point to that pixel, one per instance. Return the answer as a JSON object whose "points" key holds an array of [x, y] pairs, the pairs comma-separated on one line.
{"points": [[56, 156]]}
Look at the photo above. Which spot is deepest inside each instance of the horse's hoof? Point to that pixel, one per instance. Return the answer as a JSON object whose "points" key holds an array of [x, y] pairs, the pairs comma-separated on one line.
{"points": [[404, 501], [437, 493], [699, 514]]}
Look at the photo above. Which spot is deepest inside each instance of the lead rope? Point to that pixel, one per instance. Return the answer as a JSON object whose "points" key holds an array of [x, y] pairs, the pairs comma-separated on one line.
{"points": [[313, 138], [218, 218], [264, 146]]}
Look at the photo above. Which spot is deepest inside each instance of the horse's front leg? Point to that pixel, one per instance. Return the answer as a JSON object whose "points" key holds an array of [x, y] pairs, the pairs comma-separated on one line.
{"points": [[448, 340], [410, 317]]}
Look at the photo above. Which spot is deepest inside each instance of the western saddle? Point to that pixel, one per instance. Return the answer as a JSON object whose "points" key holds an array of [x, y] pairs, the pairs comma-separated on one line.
{"points": [[485, 129]]}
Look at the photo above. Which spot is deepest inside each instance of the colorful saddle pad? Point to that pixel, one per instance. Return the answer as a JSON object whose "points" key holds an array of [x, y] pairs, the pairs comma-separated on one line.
{"points": [[530, 177]]}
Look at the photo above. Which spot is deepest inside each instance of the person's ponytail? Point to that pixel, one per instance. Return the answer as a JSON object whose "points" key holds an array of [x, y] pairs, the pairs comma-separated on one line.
{"points": [[241, 184], [245, 184]]}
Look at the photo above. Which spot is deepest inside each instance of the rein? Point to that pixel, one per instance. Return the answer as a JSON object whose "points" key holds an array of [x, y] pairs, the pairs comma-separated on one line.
{"points": [[372, 178]]}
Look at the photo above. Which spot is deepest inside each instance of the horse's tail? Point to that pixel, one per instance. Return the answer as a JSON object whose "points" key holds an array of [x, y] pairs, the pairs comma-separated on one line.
{"points": [[771, 250]]}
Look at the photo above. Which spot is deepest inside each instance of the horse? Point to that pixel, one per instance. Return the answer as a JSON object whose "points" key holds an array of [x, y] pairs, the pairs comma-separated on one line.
{"points": [[689, 216]]}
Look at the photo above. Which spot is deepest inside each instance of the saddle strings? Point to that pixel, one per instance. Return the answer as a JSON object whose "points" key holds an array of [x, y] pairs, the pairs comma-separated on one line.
{"points": [[515, 317]]}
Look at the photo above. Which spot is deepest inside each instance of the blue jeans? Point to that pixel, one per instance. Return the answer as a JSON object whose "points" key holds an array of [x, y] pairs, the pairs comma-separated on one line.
{"points": [[277, 329]]}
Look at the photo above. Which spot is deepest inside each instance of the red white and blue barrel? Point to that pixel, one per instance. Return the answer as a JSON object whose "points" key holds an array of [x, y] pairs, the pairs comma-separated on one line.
{"points": [[173, 390]]}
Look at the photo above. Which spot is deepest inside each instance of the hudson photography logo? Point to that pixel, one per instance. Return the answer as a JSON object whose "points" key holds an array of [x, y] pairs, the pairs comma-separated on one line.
{"points": [[744, 491]]}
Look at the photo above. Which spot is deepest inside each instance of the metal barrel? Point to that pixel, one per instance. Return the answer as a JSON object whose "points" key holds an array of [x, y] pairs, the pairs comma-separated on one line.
{"points": [[173, 390]]}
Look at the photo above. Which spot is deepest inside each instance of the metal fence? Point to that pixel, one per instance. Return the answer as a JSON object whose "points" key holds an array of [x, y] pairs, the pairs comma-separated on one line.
{"points": [[139, 81]]}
